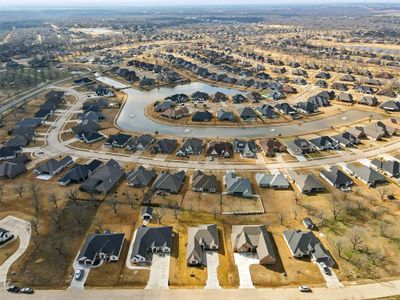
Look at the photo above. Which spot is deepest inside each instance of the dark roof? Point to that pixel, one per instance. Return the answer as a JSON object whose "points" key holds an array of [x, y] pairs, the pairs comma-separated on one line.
{"points": [[203, 182], [148, 237], [105, 243], [104, 178], [140, 176], [169, 182], [11, 169]]}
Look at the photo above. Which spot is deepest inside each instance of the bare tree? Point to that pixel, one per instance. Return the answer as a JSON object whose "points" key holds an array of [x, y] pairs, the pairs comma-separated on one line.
{"points": [[36, 203], [295, 212], [383, 191], [35, 239], [72, 194], [131, 200], [355, 238], [297, 198], [1, 191], [281, 218], [56, 218], [113, 203], [77, 213], [35, 225], [383, 228], [19, 189], [99, 223], [34, 189], [53, 199], [58, 245], [339, 246], [336, 210]]}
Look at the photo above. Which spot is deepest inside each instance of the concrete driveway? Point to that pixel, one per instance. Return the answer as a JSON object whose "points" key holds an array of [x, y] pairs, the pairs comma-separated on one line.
{"points": [[331, 280], [243, 262], [79, 284], [22, 229], [159, 272], [212, 266]]}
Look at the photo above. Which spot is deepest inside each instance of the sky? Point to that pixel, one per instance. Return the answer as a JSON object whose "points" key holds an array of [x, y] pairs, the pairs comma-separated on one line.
{"points": [[76, 3]]}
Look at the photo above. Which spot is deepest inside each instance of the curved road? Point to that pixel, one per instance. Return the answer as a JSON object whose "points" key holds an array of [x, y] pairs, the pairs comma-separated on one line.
{"points": [[56, 147], [139, 99]]}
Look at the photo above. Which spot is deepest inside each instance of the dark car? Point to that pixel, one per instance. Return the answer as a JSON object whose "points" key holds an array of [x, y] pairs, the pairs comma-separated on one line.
{"points": [[13, 289]]}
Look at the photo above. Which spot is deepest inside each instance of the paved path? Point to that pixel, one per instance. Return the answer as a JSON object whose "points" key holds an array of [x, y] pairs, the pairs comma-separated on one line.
{"points": [[331, 280], [22, 229], [243, 262], [212, 267], [356, 292], [159, 272], [79, 284]]}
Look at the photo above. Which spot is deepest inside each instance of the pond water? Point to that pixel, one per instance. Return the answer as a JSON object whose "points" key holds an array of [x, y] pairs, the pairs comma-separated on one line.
{"points": [[132, 116]]}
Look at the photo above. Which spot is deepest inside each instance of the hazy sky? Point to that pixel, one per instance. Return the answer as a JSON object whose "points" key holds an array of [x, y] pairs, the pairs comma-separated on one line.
{"points": [[64, 3]]}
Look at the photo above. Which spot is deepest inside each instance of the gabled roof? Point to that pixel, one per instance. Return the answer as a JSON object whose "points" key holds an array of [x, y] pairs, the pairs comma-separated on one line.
{"points": [[255, 236], [52, 165], [307, 182], [169, 182], [11, 169], [148, 237], [368, 175], [104, 178], [204, 182], [140, 176], [238, 185], [265, 179], [105, 243], [200, 238], [337, 177]]}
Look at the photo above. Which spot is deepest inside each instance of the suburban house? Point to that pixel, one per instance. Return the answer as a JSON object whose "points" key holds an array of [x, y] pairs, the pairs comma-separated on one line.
{"points": [[271, 146], [5, 236], [201, 116], [53, 166], [9, 152], [163, 106], [246, 149], [220, 149], [219, 97], [337, 178], [164, 146], [79, 173], [274, 181], [223, 115], [119, 140], [254, 238], [390, 105], [366, 174], [169, 182], [306, 107], [149, 241], [175, 113], [101, 247], [11, 169], [238, 186], [140, 177], [325, 143], [201, 239], [140, 143], [306, 244], [204, 183], [191, 146], [345, 97], [299, 147], [267, 111], [238, 98], [200, 96], [346, 139], [178, 98], [104, 178], [368, 100], [247, 114], [307, 183], [147, 213], [288, 110], [388, 167]]}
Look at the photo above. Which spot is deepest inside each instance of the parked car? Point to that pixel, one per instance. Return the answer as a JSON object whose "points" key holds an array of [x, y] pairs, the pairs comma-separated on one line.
{"points": [[305, 289], [325, 268], [13, 289], [26, 290], [78, 274]]}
